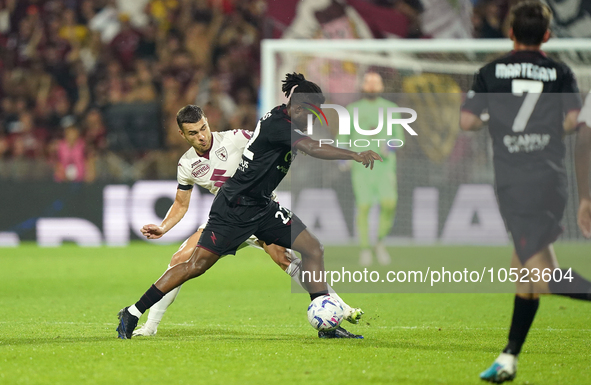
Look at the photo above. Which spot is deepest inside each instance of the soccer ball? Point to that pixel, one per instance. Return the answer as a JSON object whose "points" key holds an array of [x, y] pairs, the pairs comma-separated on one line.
{"points": [[325, 313]]}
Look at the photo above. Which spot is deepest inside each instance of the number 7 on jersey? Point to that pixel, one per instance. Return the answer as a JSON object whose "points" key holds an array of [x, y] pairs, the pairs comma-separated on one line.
{"points": [[534, 89]]}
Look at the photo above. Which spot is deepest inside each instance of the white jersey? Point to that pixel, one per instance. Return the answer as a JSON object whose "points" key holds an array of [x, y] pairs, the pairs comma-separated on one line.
{"points": [[585, 114], [216, 166]]}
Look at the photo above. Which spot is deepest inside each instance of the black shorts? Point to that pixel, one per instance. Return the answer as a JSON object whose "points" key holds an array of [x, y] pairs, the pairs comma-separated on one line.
{"points": [[229, 225], [532, 214]]}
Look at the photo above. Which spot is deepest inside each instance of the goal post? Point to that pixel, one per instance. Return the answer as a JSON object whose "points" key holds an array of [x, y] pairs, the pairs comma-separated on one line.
{"points": [[443, 171], [575, 52]]}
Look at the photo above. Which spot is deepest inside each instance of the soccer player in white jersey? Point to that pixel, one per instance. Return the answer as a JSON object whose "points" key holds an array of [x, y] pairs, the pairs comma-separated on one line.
{"points": [[211, 160]]}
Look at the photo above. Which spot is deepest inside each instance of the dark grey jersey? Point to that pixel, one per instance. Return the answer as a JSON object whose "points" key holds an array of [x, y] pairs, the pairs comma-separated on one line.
{"points": [[527, 96], [265, 161]]}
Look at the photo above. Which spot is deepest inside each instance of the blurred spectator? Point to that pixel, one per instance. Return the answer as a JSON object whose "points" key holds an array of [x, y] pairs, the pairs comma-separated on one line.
{"points": [[71, 30], [70, 164], [447, 19], [116, 64], [6, 8], [245, 115], [125, 43], [571, 19], [26, 150], [216, 95], [106, 21], [488, 20], [136, 11], [25, 138]]}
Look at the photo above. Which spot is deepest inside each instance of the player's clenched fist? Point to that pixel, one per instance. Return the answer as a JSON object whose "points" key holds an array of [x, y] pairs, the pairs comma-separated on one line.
{"points": [[367, 158], [152, 231]]}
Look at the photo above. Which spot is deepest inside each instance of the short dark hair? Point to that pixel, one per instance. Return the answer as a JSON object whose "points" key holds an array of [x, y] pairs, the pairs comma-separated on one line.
{"points": [[189, 114], [312, 90], [530, 20]]}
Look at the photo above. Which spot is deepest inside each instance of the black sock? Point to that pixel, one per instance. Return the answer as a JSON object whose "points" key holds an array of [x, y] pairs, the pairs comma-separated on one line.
{"points": [[313, 296], [577, 288], [149, 298], [524, 311]]}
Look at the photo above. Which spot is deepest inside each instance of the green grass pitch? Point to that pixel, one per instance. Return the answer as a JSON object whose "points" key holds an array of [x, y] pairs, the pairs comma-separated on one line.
{"points": [[239, 323]]}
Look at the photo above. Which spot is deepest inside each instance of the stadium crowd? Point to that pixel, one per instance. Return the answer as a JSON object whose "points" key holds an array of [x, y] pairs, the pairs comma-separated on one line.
{"points": [[73, 71], [65, 63]]}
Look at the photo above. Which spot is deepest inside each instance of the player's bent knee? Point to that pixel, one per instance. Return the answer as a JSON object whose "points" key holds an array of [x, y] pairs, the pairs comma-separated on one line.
{"points": [[180, 257], [317, 252], [199, 265], [541, 288]]}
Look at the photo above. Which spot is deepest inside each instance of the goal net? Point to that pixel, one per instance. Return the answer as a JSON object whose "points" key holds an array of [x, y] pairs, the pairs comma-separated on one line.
{"points": [[444, 176]]}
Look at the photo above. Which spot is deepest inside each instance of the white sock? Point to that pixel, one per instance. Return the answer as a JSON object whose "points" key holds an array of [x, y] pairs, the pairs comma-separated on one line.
{"points": [[159, 308], [134, 311], [294, 270]]}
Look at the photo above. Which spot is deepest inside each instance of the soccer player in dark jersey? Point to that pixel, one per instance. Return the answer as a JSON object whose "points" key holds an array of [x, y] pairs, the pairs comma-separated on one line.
{"points": [[532, 101], [244, 205]]}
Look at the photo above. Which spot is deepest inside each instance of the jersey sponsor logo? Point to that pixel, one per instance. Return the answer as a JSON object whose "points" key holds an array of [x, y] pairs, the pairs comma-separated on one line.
{"points": [[222, 154], [200, 171], [525, 70], [526, 142], [243, 165]]}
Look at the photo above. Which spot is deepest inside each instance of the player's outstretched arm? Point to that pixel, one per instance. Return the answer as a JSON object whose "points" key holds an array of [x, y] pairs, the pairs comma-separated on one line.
{"points": [[326, 151], [176, 212], [469, 121], [582, 160]]}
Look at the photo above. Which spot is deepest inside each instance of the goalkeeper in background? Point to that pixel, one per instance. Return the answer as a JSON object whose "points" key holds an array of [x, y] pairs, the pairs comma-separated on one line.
{"points": [[381, 186]]}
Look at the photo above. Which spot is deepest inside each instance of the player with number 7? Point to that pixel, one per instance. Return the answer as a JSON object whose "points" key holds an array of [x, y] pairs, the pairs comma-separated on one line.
{"points": [[532, 101]]}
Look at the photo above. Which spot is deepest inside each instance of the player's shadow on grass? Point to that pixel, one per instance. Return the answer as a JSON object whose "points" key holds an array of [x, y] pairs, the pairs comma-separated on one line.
{"points": [[222, 334], [435, 345]]}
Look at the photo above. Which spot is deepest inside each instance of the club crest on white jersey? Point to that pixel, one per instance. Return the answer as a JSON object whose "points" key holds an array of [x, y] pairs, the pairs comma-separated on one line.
{"points": [[212, 169]]}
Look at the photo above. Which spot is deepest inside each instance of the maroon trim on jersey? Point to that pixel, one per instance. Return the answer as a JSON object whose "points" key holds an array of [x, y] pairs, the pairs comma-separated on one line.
{"points": [[206, 153], [246, 135], [286, 117]]}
